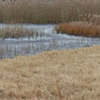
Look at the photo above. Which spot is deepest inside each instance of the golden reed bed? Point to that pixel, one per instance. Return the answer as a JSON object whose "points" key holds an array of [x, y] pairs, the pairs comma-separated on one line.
{"points": [[87, 29], [53, 75]]}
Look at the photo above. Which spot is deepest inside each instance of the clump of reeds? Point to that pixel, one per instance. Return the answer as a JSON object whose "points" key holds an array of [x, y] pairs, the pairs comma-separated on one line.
{"points": [[79, 28], [17, 32]]}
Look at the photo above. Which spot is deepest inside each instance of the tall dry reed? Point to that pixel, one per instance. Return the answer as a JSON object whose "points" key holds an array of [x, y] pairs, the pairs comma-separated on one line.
{"points": [[48, 11], [18, 32]]}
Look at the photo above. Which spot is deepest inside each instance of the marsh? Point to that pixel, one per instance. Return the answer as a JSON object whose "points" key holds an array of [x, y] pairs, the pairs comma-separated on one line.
{"points": [[45, 40]]}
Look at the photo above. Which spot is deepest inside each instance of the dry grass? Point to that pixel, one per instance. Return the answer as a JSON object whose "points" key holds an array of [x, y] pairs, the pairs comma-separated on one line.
{"points": [[79, 28], [53, 75], [17, 32], [48, 11]]}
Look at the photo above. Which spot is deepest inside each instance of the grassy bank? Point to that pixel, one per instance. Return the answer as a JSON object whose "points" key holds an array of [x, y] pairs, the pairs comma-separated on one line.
{"points": [[48, 11], [53, 75], [79, 29]]}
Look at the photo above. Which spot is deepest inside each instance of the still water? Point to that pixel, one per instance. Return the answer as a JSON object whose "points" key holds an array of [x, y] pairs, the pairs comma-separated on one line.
{"points": [[10, 48]]}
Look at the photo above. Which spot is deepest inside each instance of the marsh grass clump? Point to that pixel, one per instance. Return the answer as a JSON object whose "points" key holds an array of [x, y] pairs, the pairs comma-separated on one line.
{"points": [[17, 32], [79, 28]]}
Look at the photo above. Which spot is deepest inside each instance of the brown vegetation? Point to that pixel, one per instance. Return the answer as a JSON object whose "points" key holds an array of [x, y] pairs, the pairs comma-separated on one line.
{"points": [[79, 28], [53, 75], [17, 32], [48, 11]]}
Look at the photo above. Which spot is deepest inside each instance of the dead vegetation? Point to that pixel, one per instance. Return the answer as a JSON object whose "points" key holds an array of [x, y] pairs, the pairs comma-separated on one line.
{"points": [[53, 75], [48, 11], [18, 32], [79, 28]]}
